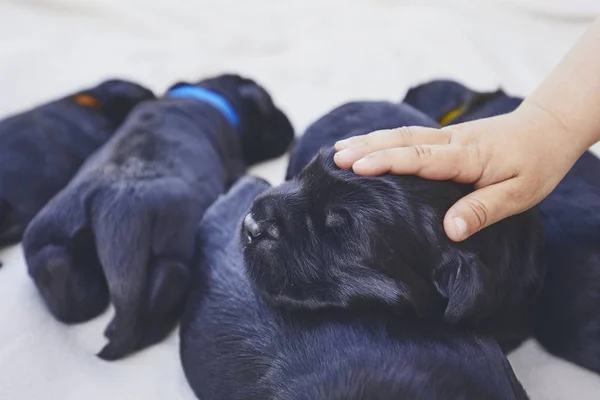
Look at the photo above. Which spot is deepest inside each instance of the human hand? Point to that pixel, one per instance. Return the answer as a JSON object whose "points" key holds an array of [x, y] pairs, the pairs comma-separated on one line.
{"points": [[514, 161]]}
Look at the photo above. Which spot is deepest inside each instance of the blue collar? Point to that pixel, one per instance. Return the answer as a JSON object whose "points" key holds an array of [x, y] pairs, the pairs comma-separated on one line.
{"points": [[207, 96]]}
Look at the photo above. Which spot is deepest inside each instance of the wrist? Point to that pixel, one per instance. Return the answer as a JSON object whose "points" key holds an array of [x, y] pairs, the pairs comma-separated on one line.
{"points": [[568, 137]]}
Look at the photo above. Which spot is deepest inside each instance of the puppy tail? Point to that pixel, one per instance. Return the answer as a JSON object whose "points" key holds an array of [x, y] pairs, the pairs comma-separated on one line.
{"points": [[122, 233]]}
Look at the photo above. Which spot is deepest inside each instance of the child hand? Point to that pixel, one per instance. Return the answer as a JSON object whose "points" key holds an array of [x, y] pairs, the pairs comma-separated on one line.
{"points": [[513, 160]]}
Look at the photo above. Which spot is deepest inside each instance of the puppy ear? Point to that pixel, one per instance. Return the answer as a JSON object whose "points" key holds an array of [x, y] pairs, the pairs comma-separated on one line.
{"points": [[117, 108], [258, 96], [465, 282], [269, 132]]}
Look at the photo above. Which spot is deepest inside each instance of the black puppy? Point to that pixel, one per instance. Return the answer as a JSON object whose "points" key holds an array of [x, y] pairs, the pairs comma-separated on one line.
{"points": [[569, 312], [235, 346], [450, 103], [124, 226], [330, 238], [41, 149]]}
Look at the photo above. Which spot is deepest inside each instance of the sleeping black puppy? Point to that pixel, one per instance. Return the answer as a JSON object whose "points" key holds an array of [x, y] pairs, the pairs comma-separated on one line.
{"points": [[569, 311], [236, 346], [330, 238], [124, 227], [41, 149]]}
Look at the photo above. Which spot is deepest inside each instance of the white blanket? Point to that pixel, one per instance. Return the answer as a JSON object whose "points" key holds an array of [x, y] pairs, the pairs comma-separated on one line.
{"points": [[312, 55]]}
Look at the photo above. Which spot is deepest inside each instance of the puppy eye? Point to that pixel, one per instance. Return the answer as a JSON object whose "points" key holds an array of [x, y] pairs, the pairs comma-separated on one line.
{"points": [[334, 220], [273, 231]]}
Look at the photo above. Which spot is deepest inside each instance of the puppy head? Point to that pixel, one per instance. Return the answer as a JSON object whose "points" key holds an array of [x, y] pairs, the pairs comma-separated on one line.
{"points": [[330, 238], [266, 132], [114, 98]]}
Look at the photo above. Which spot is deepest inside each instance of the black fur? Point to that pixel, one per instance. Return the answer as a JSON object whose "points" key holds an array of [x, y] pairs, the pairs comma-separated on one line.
{"points": [[330, 238], [235, 346], [569, 312], [347, 121], [438, 98], [123, 228], [41, 149]]}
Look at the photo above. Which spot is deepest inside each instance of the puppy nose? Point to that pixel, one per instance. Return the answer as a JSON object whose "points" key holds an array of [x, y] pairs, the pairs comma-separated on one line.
{"points": [[251, 227]]}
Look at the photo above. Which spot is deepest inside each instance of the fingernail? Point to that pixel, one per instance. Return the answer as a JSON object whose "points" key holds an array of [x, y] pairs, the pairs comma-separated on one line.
{"points": [[340, 155], [339, 158], [350, 153], [460, 227]]}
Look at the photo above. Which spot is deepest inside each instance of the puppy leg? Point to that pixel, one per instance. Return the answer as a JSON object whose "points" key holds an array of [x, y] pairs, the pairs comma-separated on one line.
{"points": [[122, 226], [168, 283], [176, 219], [62, 261], [169, 276], [173, 247], [149, 274]]}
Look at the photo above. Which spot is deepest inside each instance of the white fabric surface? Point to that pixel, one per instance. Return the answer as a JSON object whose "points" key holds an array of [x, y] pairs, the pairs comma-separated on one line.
{"points": [[312, 55]]}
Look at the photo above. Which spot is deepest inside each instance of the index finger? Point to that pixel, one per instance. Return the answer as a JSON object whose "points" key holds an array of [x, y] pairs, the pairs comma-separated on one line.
{"points": [[402, 136], [355, 148], [437, 162]]}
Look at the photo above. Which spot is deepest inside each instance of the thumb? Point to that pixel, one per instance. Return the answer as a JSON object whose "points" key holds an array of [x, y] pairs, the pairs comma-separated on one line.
{"points": [[483, 208]]}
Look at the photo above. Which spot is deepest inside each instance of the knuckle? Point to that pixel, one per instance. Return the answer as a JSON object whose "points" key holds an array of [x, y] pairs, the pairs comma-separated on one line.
{"points": [[453, 134], [472, 151], [422, 152], [473, 154], [404, 133], [475, 163], [461, 136], [480, 210]]}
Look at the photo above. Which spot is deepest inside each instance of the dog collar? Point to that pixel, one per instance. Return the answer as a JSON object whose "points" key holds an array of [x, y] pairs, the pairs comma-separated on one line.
{"points": [[207, 96]]}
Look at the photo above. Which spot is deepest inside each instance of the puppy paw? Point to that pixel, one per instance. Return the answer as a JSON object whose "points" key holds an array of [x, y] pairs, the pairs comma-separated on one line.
{"points": [[73, 292], [110, 330], [168, 284], [124, 333], [134, 329], [117, 349]]}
